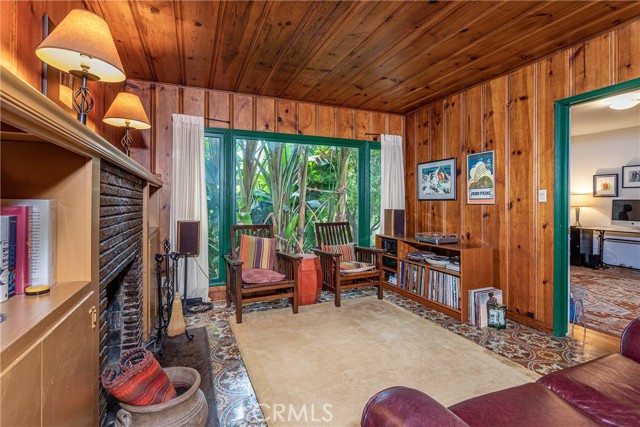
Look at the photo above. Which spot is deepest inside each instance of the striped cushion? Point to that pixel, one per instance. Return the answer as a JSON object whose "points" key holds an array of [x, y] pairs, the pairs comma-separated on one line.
{"points": [[347, 251], [257, 252], [355, 267]]}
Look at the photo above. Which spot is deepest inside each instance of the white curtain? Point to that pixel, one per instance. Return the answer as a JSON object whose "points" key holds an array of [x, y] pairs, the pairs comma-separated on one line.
{"points": [[392, 194], [189, 200]]}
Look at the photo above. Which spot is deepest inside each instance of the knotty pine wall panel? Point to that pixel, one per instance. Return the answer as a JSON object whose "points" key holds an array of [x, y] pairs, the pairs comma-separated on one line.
{"points": [[513, 115], [246, 112]]}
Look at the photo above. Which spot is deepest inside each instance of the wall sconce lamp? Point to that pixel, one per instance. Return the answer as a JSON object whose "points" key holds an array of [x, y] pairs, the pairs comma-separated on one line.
{"points": [[82, 46], [127, 111], [579, 201]]}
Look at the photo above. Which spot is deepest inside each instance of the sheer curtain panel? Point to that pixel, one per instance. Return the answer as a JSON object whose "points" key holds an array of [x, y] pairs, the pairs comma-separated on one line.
{"points": [[392, 194], [189, 199]]}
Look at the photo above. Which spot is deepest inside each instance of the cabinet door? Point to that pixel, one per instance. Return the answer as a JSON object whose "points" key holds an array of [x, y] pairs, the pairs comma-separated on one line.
{"points": [[70, 370], [20, 388]]}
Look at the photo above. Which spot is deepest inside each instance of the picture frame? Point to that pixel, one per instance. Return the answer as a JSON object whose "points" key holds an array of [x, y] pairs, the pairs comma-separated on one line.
{"points": [[481, 183], [605, 185], [631, 176], [437, 180]]}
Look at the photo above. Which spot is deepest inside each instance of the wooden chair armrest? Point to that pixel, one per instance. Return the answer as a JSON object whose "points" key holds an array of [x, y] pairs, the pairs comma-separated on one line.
{"points": [[234, 262], [324, 254], [289, 257], [370, 250]]}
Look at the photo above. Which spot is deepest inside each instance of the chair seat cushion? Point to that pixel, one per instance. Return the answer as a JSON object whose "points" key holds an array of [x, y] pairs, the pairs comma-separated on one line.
{"points": [[261, 275], [350, 267]]}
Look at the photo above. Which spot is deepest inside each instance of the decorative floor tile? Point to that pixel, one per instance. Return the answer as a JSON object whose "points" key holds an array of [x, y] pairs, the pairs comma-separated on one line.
{"points": [[236, 399]]}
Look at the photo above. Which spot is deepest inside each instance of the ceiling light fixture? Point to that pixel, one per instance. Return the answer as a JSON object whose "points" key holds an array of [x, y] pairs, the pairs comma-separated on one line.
{"points": [[82, 45], [622, 102]]}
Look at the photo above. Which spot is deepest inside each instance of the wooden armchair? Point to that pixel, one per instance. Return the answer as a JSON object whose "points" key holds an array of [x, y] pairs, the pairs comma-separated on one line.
{"points": [[335, 278], [253, 286]]}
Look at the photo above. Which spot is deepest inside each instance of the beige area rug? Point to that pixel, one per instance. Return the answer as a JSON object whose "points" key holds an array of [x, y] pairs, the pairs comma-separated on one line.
{"points": [[321, 366]]}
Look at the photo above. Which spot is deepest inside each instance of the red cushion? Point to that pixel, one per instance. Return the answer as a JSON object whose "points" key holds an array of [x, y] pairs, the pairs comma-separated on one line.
{"points": [[606, 388], [526, 405], [261, 275]]}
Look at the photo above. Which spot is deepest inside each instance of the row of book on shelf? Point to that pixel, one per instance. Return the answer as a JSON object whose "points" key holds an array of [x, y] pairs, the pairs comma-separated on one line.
{"points": [[28, 243], [434, 285]]}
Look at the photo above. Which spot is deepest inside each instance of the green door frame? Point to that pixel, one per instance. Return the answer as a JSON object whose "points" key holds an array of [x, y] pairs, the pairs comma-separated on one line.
{"points": [[228, 177], [561, 190]]}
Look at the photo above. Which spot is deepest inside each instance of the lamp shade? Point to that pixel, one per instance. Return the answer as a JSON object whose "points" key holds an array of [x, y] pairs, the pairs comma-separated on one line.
{"points": [[127, 108], [83, 38], [580, 200]]}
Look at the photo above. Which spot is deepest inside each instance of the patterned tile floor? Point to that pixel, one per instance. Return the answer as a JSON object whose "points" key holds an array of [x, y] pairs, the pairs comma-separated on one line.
{"points": [[235, 397]]}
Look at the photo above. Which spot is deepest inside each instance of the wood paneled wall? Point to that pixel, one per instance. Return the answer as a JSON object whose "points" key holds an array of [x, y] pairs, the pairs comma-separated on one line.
{"points": [[513, 115], [152, 148]]}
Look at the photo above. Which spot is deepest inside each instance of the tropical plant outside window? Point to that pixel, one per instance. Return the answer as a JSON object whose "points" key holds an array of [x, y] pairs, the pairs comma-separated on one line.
{"points": [[291, 185]]}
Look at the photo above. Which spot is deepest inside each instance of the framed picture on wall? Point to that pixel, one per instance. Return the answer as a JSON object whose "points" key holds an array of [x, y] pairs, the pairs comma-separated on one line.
{"points": [[437, 180], [481, 184], [631, 176], [605, 185]]}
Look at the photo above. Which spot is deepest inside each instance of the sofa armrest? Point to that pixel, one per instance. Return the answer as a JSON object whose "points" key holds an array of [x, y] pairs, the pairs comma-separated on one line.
{"points": [[630, 342], [407, 407]]}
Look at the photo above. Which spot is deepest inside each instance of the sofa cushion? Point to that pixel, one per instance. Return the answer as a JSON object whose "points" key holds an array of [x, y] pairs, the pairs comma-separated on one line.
{"points": [[630, 343], [607, 388], [523, 406]]}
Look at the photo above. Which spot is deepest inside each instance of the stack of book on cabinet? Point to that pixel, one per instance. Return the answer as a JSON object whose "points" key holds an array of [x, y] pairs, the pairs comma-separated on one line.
{"points": [[478, 298], [444, 288], [28, 244]]}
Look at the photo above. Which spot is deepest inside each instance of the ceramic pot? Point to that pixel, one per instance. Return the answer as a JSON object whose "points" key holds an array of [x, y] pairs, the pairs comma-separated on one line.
{"points": [[188, 409]]}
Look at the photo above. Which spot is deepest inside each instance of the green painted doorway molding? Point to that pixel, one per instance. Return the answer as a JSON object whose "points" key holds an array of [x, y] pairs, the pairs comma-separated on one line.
{"points": [[561, 193]]}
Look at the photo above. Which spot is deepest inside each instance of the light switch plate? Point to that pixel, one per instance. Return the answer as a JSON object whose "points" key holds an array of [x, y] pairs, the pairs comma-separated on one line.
{"points": [[542, 196]]}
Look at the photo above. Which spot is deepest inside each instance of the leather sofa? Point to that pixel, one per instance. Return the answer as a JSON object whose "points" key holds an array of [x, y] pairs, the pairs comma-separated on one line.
{"points": [[601, 392]]}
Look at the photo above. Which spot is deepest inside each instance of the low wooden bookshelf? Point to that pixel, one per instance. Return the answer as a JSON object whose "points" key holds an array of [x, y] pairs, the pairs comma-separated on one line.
{"points": [[476, 271]]}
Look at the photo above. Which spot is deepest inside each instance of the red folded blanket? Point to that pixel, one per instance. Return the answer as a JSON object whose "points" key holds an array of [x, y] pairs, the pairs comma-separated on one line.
{"points": [[142, 381]]}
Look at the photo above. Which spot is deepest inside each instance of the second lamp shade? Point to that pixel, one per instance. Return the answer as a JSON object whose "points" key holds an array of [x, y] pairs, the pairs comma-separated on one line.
{"points": [[127, 108]]}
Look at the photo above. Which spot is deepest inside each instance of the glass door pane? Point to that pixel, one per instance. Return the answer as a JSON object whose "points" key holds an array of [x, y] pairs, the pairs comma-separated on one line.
{"points": [[294, 185], [375, 184], [213, 166]]}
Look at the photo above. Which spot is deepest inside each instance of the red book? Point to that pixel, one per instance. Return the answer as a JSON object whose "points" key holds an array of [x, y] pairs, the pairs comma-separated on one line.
{"points": [[22, 244]]}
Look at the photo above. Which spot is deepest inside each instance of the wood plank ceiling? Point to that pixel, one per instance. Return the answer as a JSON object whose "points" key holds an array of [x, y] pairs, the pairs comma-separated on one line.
{"points": [[390, 56]]}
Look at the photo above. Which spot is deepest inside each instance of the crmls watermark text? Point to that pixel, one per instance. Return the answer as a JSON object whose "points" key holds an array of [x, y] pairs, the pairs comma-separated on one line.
{"points": [[306, 413]]}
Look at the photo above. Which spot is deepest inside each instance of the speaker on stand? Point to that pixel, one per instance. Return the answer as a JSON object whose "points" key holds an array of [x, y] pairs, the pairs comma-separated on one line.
{"points": [[189, 246]]}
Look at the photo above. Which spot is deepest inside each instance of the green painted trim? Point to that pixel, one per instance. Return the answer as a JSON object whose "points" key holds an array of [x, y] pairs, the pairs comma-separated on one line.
{"points": [[292, 138], [364, 195], [562, 116]]}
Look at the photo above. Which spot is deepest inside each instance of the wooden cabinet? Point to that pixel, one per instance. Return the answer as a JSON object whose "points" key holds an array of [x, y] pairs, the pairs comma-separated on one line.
{"points": [[476, 271], [49, 343], [53, 383]]}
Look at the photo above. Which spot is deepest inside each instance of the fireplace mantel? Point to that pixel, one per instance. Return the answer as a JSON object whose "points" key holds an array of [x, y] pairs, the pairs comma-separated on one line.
{"points": [[49, 343]]}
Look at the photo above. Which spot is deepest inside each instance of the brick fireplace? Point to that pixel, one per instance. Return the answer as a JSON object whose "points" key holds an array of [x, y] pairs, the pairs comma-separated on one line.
{"points": [[121, 290]]}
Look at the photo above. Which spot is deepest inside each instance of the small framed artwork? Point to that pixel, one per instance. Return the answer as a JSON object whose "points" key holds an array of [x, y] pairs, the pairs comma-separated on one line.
{"points": [[481, 184], [605, 185], [437, 180], [631, 176]]}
